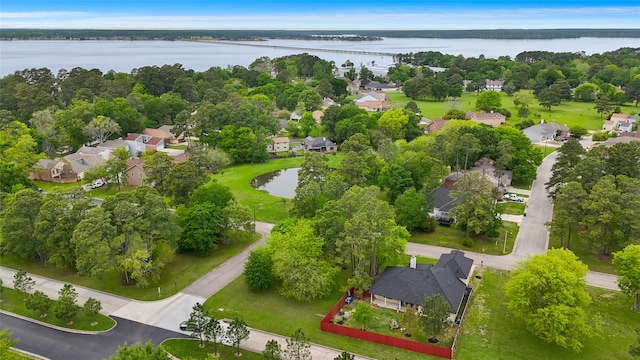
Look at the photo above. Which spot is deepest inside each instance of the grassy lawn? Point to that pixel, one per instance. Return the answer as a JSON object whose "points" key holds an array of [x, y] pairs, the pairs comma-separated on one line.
{"points": [[182, 271], [189, 349], [512, 207], [568, 113], [271, 312], [47, 186], [546, 150], [13, 302], [178, 147], [453, 237], [586, 252], [490, 332]]}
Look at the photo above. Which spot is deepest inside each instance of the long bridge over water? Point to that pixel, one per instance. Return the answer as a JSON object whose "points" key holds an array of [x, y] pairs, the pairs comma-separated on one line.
{"points": [[357, 52]]}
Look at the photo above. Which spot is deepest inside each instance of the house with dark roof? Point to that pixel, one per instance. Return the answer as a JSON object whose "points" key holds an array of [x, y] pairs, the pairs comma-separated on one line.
{"points": [[320, 144], [378, 86], [442, 206], [401, 287]]}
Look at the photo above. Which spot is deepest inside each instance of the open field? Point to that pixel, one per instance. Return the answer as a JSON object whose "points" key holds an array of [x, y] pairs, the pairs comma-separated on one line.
{"points": [[453, 237], [13, 301], [570, 113], [182, 271], [491, 333]]}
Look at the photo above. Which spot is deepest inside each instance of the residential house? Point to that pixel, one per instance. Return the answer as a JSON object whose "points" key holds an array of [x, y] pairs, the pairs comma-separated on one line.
{"points": [[625, 127], [354, 87], [53, 170], [278, 144], [494, 119], [495, 85], [614, 122], [165, 133], [545, 131], [485, 167], [372, 101], [82, 162], [326, 102], [378, 86], [317, 116], [112, 145], [295, 116], [139, 143], [135, 172], [321, 144], [401, 287], [435, 125], [442, 206]]}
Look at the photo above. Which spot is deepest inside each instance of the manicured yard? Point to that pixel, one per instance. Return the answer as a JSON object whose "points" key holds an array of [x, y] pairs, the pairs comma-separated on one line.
{"points": [[271, 312], [568, 113], [13, 301], [189, 349], [512, 207], [453, 237], [546, 150], [491, 333], [182, 271]]}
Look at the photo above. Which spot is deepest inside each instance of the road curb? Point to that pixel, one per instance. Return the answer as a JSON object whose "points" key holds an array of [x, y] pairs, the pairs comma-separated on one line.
{"points": [[42, 323]]}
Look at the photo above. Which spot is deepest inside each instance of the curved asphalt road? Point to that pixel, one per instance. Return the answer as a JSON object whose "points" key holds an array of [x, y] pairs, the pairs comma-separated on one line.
{"points": [[63, 345]]}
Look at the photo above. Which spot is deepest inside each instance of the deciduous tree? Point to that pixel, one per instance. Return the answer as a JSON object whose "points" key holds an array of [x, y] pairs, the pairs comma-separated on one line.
{"points": [[435, 315], [627, 264], [488, 100], [140, 352], [548, 293], [363, 314], [258, 269], [18, 225]]}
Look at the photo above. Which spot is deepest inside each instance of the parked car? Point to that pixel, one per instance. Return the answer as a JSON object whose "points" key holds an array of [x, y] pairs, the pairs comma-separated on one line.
{"points": [[513, 197], [97, 183]]}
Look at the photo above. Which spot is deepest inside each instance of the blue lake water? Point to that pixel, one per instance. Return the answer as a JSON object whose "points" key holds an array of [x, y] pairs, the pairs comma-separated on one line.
{"points": [[123, 56]]}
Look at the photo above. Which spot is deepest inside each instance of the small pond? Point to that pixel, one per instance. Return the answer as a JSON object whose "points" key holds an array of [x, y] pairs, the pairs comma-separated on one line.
{"points": [[281, 183]]}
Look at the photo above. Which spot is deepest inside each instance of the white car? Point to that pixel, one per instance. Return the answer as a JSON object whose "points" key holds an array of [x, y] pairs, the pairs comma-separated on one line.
{"points": [[513, 197], [97, 183]]}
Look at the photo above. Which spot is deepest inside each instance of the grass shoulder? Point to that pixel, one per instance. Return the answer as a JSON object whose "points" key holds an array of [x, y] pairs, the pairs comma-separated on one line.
{"points": [[178, 274], [453, 237], [13, 302], [189, 349], [586, 252]]}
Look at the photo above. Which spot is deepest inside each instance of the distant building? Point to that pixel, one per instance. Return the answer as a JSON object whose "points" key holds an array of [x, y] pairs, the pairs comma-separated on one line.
{"points": [[494, 119], [278, 144]]}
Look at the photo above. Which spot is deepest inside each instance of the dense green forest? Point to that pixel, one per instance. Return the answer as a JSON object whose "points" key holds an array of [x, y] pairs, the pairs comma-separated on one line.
{"points": [[363, 35]]}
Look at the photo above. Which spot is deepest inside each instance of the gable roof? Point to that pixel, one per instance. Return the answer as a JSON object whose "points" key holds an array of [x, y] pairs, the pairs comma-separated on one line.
{"points": [[545, 131], [412, 285], [442, 199], [282, 139], [371, 96], [318, 143], [459, 264]]}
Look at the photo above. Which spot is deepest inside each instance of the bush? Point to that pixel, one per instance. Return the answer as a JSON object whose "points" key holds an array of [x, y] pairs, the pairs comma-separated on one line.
{"points": [[600, 136], [468, 242]]}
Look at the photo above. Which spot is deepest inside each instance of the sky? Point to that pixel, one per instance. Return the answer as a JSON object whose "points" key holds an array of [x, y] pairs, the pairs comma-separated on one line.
{"points": [[318, 15]]}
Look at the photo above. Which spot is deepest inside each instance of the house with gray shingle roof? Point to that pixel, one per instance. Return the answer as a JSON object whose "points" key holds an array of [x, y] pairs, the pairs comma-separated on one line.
{"points": [[545, 131], [400, 287], [321, 144]]}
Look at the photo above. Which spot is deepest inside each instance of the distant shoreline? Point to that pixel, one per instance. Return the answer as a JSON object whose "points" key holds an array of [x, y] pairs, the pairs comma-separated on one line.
{"points": [[316, 35]]}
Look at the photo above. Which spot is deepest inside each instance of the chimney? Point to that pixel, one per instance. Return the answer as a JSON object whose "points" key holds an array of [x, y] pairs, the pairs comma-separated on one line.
{"points": [[412, 263]]}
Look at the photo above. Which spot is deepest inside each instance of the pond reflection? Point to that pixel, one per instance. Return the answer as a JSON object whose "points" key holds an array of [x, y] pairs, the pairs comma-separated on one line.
{"points": [[281, 183]]}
